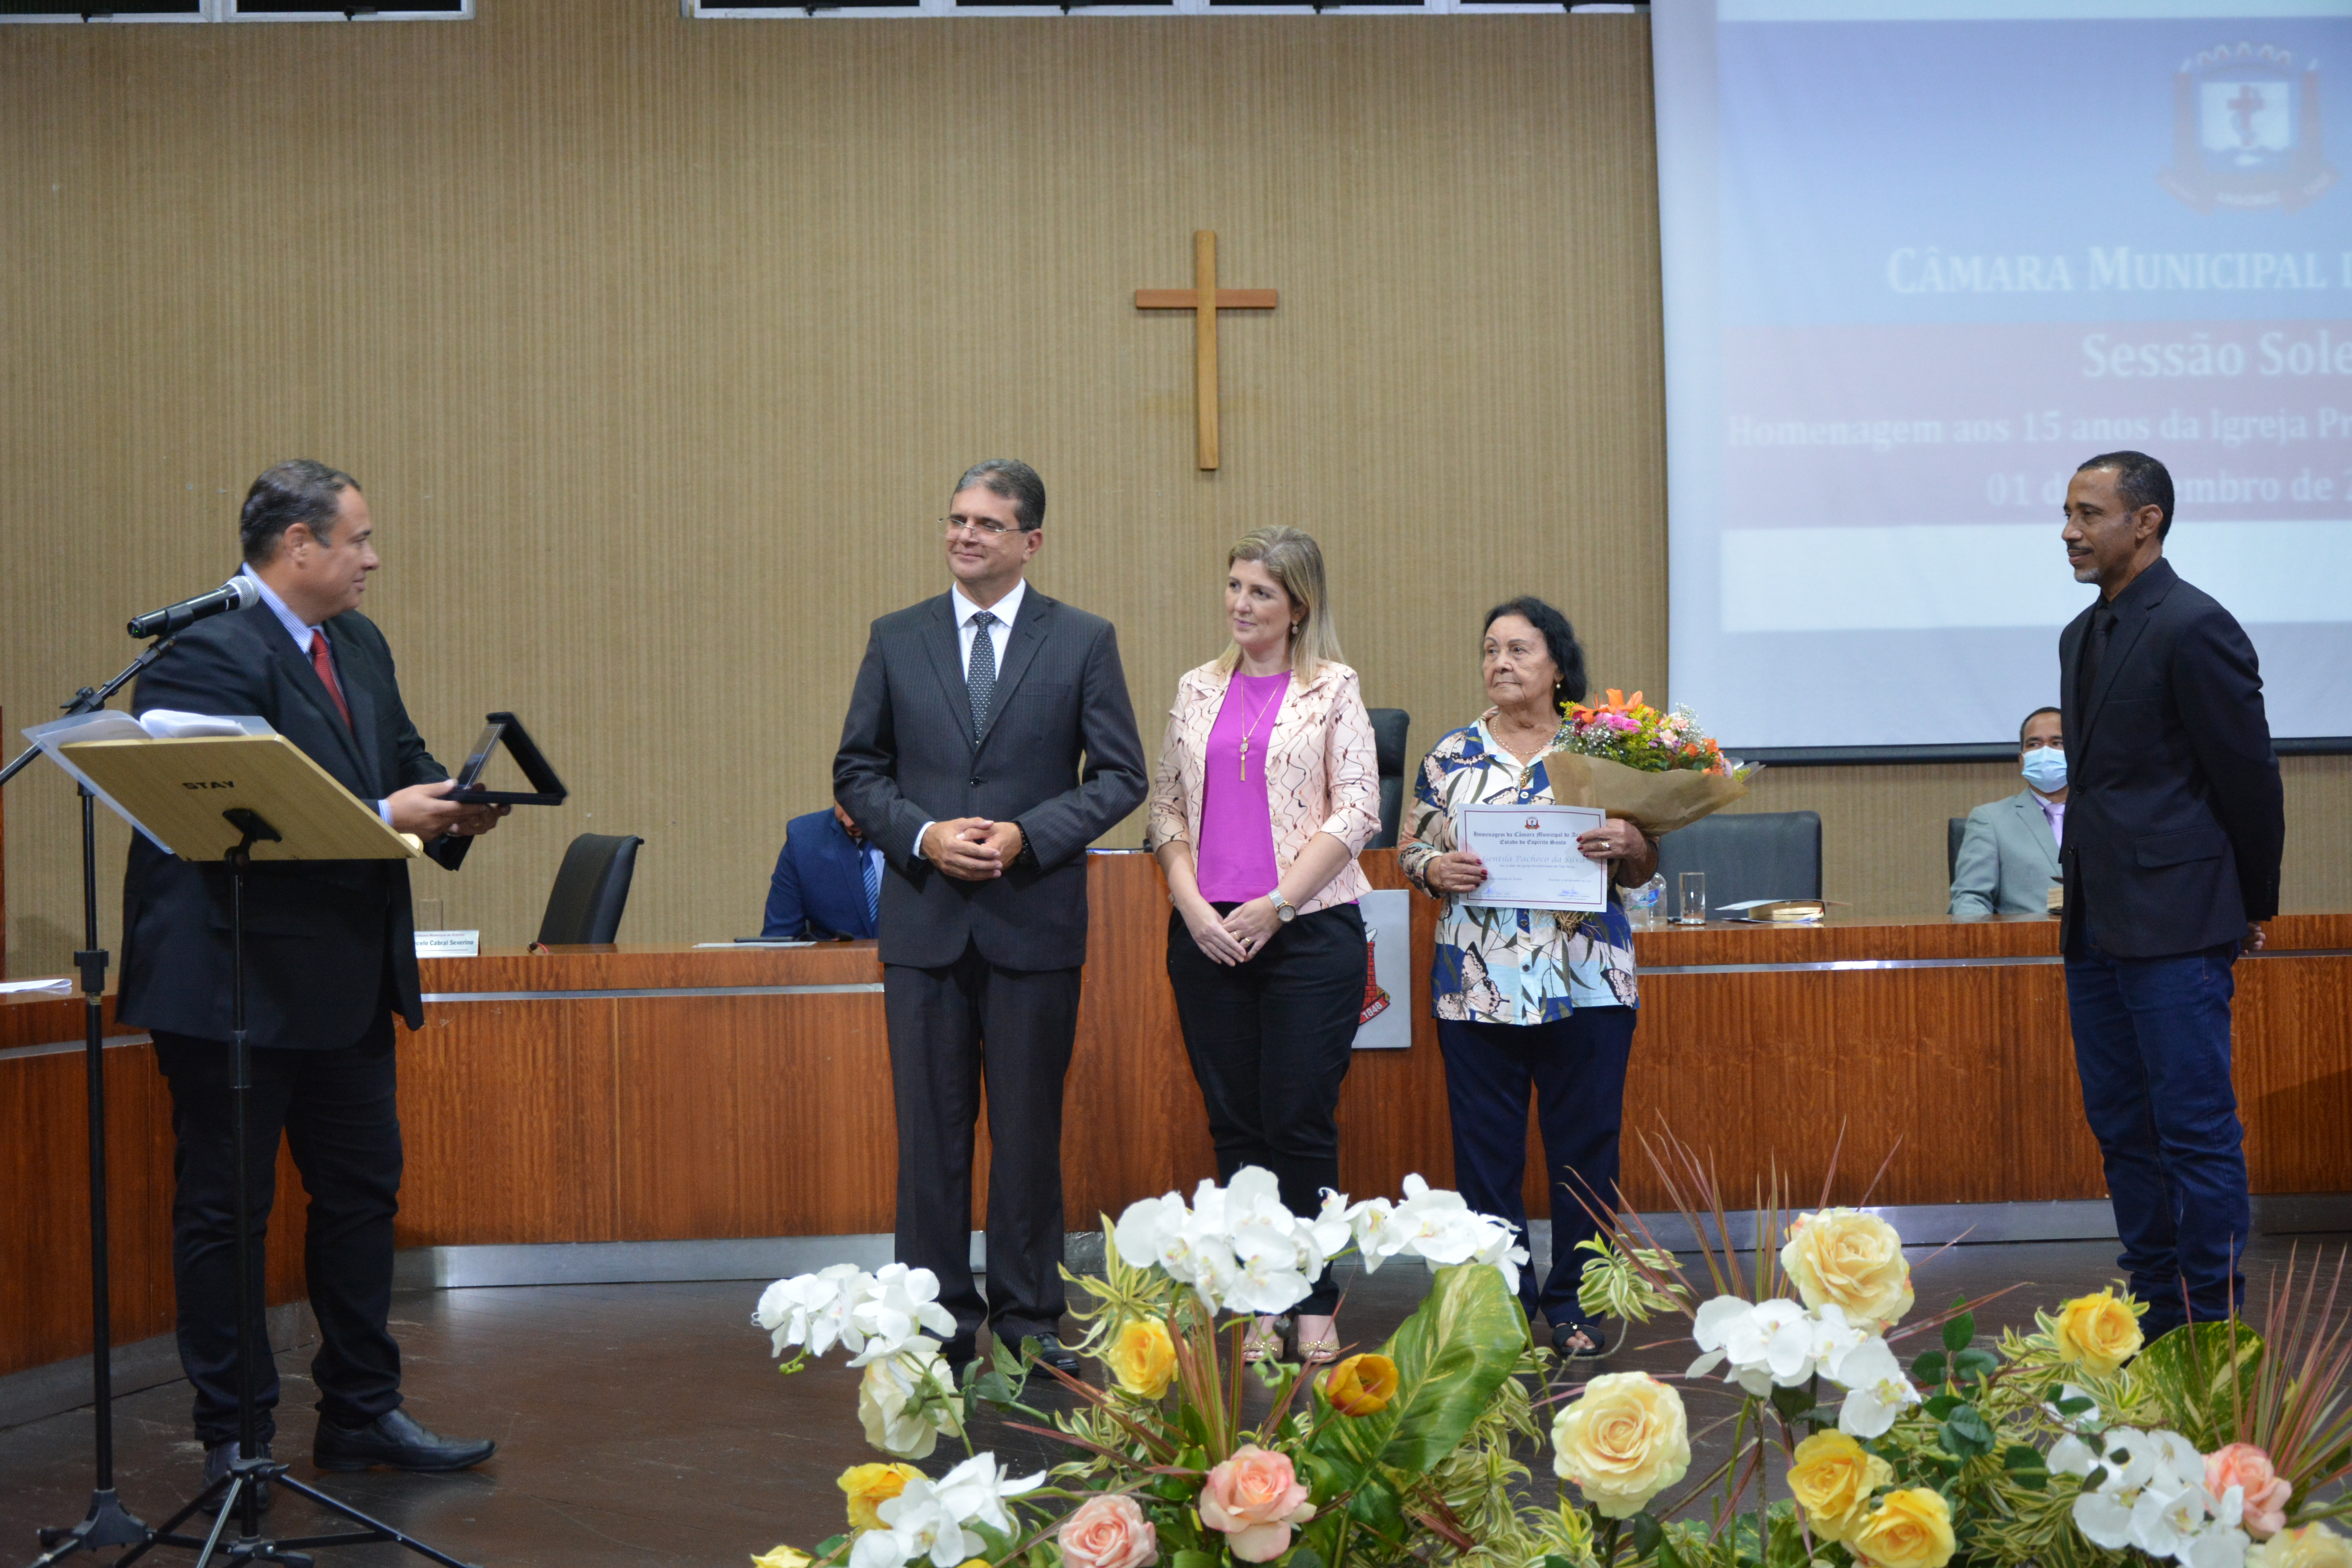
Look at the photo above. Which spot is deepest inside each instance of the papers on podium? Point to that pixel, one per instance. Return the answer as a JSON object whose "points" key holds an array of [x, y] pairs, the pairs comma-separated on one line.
{"points": [[172, 777]]}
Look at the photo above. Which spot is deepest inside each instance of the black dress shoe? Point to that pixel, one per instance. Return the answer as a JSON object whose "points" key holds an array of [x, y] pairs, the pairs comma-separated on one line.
{"points": [[1050, 1349], [217, 1458], [394, 1441]]}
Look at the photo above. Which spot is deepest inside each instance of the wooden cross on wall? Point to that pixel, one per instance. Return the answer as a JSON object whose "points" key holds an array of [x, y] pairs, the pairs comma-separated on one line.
{"points": [[1205, 299]]}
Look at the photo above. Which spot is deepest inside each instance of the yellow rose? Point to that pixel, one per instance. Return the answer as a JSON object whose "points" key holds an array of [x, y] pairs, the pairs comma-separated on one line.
{"points": [[871, 1486], [2101, 1332], [1851, 1260], [1910, 1529], [2313, 1546], [781, 1557], [1142, 1357], [1834, 1477], [1624, 1441], [1362, 1385]]}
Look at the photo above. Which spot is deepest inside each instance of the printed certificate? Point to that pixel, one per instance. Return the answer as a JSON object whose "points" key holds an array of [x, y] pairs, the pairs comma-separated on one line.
{"points": [[1531, 857]]}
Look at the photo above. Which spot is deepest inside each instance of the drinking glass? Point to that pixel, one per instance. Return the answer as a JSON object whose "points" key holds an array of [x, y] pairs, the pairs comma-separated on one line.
{"points": [[1691, 910]]}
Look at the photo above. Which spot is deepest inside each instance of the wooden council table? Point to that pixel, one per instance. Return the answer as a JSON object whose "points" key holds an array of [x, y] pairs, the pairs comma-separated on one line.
{"points": [[655, 1094]]}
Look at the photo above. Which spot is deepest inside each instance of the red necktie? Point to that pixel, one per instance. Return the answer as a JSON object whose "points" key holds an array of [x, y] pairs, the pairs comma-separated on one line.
{"points": [[325, 663]]}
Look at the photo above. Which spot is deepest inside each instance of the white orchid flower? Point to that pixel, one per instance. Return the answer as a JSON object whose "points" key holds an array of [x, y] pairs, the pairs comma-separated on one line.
{"points": [[2105, 1519], [1876, 1392], [917, 1524], [2164, 1521], [1821, 1339], [1141, 1226], [907, 1400], [2070, 1456], [897, 1305], [1267, 1279], [976, 1490], [810, 1310]]}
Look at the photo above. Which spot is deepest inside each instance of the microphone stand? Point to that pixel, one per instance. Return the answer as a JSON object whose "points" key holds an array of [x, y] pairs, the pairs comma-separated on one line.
{"points": [[108, 1524]]}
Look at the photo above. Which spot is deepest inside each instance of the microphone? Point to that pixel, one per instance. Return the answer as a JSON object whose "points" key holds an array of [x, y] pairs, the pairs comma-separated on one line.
{"points": [[238, 592]]}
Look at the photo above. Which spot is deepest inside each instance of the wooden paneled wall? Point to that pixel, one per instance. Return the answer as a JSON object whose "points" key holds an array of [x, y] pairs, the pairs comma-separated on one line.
{"points": [[658, 344]]}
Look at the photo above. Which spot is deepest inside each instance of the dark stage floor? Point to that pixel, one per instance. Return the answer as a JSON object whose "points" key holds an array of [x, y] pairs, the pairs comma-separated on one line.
{"points": [[646, 1422]]}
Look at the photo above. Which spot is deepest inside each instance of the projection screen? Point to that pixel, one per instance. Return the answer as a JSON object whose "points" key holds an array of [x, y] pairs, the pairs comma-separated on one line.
{"points": [[1921, 257]]}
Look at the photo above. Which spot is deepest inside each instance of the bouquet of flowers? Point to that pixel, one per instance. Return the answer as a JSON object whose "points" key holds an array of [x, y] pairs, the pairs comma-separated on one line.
{"points": [[1658, 770]]}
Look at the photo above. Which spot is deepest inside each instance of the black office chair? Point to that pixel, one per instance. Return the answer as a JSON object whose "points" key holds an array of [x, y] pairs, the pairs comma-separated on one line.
{"points": [[1746, 854], [1389, 726], [1955, 829], [591, 890]]}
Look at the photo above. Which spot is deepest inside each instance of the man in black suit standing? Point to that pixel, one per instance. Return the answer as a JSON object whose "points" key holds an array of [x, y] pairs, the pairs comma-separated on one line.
{"points": [[2175, 827], [330, 956], [961, 759]]}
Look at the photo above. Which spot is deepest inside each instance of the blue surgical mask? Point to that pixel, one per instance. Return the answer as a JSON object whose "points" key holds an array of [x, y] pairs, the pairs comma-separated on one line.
{"points": [[2046, 769]]}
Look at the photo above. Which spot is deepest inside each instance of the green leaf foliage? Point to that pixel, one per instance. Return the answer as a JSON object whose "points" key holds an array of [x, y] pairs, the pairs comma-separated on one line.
{"points": [[1967, 1435], [1973, 1364], [1451, 1356], [1960, 1330], [1647, 1532], [1195, 1560], [1930, 1366], [2189, 1371]]}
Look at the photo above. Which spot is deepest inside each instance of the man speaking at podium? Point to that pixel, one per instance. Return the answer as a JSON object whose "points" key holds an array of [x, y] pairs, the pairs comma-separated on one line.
{"points": [[330, 955]]}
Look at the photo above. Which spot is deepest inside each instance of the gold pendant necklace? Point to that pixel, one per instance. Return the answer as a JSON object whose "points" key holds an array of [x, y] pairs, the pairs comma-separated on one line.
{"points": [[1253, 723]]}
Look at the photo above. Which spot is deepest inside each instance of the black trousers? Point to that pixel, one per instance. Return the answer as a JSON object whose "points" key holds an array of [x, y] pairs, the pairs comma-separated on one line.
{"points": [[951, 1029], [337, 1113], [1270, 1042], [1575, 1069]]}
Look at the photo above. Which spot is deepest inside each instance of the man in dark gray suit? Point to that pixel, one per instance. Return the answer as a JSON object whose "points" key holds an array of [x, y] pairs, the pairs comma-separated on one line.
{"points": [[2175, 828], [960, 760]]}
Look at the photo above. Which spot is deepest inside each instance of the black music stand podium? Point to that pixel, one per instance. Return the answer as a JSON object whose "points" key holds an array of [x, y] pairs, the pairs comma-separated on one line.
{"points": [[238, 799]]}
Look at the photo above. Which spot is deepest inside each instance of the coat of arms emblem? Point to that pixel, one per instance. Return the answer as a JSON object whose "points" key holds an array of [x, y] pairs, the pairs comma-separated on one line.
{"points": [[2245, 130]]}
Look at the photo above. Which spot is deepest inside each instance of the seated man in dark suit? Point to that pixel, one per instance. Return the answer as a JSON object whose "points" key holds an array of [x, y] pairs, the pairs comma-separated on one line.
{"points": [[828, 880], [2008, 863]]}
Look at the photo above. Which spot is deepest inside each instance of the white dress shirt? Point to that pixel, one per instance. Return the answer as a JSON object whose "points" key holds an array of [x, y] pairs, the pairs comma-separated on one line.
{"points": [[1001, 633]]}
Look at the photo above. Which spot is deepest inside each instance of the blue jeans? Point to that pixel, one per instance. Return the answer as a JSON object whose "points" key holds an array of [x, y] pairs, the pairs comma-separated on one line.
{"points": [[2152, 1046]]}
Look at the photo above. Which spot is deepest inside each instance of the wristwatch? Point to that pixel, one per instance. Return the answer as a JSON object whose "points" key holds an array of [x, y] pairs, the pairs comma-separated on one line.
{"points": [[1284, 909]]}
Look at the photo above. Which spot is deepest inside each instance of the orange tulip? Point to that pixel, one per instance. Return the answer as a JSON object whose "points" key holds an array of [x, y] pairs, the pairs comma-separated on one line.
{"points": [[1362, 1385]]}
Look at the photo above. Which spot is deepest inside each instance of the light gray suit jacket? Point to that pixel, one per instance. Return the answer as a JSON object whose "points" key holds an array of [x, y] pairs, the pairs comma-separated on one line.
{"points": [[2008, 861]]}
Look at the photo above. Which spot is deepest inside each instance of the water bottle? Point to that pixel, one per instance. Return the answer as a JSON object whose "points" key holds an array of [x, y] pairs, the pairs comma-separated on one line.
{"points": [[1642, 903]]}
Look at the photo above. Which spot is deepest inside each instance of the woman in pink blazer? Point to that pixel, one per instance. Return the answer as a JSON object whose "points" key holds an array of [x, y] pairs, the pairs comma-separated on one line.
{"points": [[1266, 790]]}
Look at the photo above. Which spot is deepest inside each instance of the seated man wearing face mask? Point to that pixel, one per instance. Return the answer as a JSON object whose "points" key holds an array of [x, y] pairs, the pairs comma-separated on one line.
{"points": [[2008, 856]]}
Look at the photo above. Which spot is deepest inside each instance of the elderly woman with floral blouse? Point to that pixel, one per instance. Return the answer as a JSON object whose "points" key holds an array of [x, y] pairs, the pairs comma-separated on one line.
{"points": [[1529, 1002], [1268, 788]]}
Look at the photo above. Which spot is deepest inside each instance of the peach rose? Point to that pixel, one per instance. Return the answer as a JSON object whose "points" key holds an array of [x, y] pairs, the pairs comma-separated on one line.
{"points": [[1852, 1258], [1255, 1497], [1109, 1532], [1624, 1441], [2101, 1332], [1142, 1357], [2244, 1465], [1909, 1528], [1362, 1385], [2311, 1546]]}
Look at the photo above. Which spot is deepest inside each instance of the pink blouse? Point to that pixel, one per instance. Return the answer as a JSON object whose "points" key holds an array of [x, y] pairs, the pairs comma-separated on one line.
{"points": [[1236, 849]]}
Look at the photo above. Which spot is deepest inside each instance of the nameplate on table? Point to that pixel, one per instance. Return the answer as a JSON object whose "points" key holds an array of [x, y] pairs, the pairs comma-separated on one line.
{"points": [[448, 944]]}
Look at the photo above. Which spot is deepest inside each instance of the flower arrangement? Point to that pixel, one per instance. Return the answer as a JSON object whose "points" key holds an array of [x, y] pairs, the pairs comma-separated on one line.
{"points": [[1628, 730], [2081, 1443], [1659, 771], [1382, 1458]]}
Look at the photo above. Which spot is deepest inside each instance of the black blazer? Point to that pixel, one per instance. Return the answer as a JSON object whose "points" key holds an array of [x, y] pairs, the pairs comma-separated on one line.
{"points": [[322, 937], [2175, 820], [907, 757]]}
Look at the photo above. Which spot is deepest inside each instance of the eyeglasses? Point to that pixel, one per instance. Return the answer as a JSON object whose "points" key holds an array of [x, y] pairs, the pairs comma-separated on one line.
{"points": [[987, 528]]}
